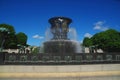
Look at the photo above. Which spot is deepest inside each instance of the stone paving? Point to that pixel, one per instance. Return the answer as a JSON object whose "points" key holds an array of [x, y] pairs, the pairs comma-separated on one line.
{"points": [[64, 72]]}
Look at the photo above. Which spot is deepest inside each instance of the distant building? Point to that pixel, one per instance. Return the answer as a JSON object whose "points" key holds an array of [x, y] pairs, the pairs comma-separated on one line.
{"points": [[27, 50], [88, 51]]}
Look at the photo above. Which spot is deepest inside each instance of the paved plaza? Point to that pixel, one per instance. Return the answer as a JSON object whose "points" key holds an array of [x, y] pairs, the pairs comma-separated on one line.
{"points": [[58, 72], [69, 78]]}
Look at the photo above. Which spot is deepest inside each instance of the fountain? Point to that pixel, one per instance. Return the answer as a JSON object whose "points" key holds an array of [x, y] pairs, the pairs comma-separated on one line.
{"points": [[60, 48], [60, 44]]}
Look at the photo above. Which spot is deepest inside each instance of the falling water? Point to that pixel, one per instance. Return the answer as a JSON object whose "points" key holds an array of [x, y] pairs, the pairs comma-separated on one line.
{"points": [[59, 40], [41, 49], [72, 36], [79, 48], [48, 35]]}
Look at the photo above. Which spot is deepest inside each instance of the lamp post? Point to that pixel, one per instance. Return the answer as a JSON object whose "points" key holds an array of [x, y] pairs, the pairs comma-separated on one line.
{"points": [[3, 35]]}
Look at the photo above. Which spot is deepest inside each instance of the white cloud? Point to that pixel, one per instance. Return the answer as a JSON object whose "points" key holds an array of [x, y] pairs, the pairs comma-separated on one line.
{"points": [[100, 26], [88, 35], [97, 27], [99, 23], [37, 37]]}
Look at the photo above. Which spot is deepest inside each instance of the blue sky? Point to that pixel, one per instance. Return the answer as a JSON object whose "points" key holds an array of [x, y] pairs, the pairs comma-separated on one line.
{"points": [[31, 16]]}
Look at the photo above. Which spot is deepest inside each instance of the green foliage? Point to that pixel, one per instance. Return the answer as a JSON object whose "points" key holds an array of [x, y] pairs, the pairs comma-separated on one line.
{"points": [[21, 38], [35, 50], [9, 27], [108, 41], [12, 39], [87, 42]]}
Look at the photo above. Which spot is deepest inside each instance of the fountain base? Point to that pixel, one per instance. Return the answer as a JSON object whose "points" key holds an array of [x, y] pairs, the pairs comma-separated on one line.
{"points": [[60, 47]]}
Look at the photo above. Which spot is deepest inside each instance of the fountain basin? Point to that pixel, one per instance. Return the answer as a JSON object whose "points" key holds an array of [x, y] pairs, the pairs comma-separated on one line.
{"points": [[60, 47]]}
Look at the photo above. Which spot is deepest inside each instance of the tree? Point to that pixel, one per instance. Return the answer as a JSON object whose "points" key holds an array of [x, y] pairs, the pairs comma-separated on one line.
{"points": [[11, 41], [3, 35], [21, 38], [87, 42], [108, 41], [35, 50], [9, 27]]}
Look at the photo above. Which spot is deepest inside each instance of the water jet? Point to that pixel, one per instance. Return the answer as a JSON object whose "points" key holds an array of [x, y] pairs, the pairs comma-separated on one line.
{"points": [[60, 42]]}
